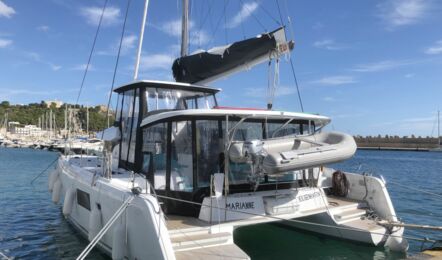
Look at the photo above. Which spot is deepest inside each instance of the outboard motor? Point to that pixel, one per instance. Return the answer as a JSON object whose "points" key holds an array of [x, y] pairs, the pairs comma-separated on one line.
{"points": [[252, 153]]}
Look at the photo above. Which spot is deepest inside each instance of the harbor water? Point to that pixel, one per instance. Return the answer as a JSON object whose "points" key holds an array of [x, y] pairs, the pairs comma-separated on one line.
{"points": [[32, 227]]}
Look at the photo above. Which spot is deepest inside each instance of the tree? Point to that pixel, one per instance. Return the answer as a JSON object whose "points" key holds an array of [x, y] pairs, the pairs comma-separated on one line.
{"points": [[5, 104]]}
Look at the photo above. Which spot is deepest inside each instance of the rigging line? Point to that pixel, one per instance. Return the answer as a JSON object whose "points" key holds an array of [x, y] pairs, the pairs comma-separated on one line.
{"points": [[269, 15], [416, 189], [189, 38], [225, 22], [211, 22], [279, 12], [200, 16], [209, 8], [295, 220], [36, 177], [218, 22], [92, 51], [296, 83], [116, 62], [290, 56], [289, 20], [434, 126], [254, 17], [242, 22]]}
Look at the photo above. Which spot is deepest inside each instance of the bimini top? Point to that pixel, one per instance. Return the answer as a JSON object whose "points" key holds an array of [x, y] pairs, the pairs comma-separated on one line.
{"points": [[165, 85], [268, 114]]}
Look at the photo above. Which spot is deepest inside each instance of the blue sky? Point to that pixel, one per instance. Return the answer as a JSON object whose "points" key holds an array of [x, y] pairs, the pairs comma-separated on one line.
{"points": [[374, 67]]}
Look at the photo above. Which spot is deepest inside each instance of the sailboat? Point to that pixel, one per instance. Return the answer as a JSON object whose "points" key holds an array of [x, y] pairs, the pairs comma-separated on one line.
{"points": [[439, 148], [180, 172]]}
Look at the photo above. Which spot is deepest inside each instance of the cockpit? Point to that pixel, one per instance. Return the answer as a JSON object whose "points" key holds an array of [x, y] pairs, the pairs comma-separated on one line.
{"points": [[143, 98]]}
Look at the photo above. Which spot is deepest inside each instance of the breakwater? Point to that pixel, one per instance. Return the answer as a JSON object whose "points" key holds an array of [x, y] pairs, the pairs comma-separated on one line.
{"points": [[396, 143]]}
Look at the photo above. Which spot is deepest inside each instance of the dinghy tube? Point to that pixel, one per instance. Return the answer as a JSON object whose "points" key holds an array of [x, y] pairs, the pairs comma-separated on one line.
{"points": [[290, 153], [295, 153]]}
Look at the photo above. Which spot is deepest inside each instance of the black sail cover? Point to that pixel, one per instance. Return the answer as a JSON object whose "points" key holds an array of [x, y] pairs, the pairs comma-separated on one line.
{"points": [[209, 65]]}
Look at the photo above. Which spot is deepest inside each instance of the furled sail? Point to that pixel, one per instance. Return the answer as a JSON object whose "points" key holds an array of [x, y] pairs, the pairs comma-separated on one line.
{"points": [[206, 66]]}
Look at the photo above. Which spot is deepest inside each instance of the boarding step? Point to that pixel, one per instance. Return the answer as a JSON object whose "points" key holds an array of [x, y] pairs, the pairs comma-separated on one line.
{"points": [[173, 233], [230, 251], [366, 224], [192, 241], [349, 215]]}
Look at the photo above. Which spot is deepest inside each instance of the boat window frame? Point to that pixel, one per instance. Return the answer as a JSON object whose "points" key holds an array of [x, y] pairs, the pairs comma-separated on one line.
{"points": [[124, 162], [220, 119]]}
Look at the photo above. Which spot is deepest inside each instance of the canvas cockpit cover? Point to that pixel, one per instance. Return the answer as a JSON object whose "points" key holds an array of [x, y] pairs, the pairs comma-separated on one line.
{"points": [[217, 62]]}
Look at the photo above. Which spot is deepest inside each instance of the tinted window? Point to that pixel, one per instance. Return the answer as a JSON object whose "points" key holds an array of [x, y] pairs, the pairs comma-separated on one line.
{"points": [[181, 175], [155, 153], [209, 149]]}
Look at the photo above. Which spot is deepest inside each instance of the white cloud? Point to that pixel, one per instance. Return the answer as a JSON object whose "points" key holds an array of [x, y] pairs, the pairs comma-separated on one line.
{"points": [[5, 43], [129, 42], [43, 28], [261, 92], [37, 58], [173, 28], [403, 12], [83, 67], [329, 99], [246, 11], [328, 44], [435, 49], [93, 14], [335, 80], [382, 65], [6, 11], [157, 61]]}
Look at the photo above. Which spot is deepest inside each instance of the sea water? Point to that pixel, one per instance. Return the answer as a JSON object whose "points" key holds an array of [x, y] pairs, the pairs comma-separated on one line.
{"points": [[32, 227]]}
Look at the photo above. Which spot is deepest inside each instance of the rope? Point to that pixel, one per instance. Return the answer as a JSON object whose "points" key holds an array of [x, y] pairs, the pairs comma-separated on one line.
{"points": [[92, 51], [116, 62], [415, 189], [226, 3], [254, 17], [106, 227], [296, 221], [269, 15], [279, 12], [242, 22], [296, 83], [36, 177]]}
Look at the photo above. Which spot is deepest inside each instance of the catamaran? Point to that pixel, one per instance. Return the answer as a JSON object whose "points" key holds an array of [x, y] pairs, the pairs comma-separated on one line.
{"points": [[180, 172]]}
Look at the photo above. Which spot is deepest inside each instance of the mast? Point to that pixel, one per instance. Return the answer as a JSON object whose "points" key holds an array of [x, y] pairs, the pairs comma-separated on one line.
{"points": [[87, 121], [185, 29], [140, 43], [438, 127]]}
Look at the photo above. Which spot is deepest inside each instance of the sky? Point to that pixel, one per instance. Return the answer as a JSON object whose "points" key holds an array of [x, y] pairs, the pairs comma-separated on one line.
{"points": [[373, 67]]}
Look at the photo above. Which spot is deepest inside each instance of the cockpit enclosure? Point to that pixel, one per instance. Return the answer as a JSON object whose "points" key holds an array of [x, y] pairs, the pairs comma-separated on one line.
{"points": [[178, 137], [143, 98]]}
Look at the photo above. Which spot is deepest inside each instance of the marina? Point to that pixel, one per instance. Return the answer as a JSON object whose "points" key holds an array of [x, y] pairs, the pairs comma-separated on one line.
{"points": [[172, 166]]}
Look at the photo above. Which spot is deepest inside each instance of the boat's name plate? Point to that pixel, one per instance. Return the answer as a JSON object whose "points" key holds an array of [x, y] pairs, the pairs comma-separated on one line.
{"points": [[308, 196], [241, 205]]}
